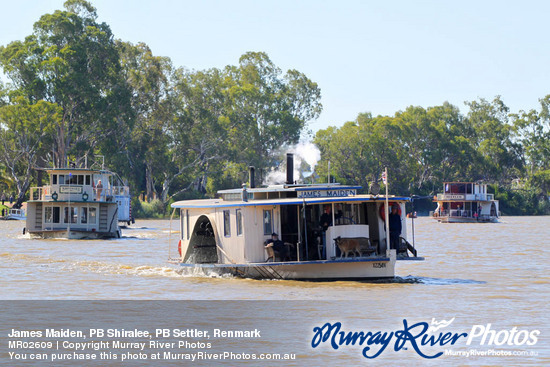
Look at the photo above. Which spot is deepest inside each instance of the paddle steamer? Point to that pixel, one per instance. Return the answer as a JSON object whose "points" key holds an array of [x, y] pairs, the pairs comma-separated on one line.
{"points": [[79, 203], [465, 202], [228, 234]]}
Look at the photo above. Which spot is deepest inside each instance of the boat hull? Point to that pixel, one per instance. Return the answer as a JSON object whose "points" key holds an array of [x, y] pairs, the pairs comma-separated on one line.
{"points": [[75, 235], [318, 270], [14, 217], [465, 220]]}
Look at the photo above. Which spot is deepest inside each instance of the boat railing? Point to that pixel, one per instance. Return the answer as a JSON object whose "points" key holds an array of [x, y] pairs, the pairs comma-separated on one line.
{"points": [[46, 193], [101, 194], [39, 193], [121, 191], [455, 213]]}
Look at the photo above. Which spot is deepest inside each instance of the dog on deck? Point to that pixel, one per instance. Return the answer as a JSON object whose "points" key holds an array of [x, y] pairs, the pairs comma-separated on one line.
{"points": [[347, 245]]}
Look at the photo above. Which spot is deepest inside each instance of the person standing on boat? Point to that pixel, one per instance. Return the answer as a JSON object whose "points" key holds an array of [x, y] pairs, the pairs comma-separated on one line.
{"points": [[278, 246], [3, 198], [325, 221], [395, 228], [326, 218], [99, 188]]}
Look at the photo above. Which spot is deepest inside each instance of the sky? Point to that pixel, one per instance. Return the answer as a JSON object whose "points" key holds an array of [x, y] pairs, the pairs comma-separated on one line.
{"points": [[366, 56]]}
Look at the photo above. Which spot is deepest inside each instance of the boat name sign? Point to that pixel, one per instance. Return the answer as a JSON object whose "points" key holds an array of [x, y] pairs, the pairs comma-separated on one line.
{"points": [[326, 193], [454, 197], [70, 189]]}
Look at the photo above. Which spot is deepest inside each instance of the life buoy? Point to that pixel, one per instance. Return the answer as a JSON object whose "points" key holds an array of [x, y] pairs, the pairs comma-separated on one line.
{"points": [[54, 196], [382, 211], [179, 247], [85, 196]]}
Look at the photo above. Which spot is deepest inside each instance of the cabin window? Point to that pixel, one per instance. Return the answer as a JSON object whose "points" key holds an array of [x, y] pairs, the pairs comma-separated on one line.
{"points": [[81, 179], [349, 214], [48, 214], [54, 179], [62, 179], [72, 180], [71, 213], [56, 214], [268, 226], [226, 223], [92, 215], [239, 216], [84, 215], [88, 180]]}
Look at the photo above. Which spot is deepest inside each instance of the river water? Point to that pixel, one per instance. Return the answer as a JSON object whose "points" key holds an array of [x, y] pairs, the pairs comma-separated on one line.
{"points": [[478, 274]]}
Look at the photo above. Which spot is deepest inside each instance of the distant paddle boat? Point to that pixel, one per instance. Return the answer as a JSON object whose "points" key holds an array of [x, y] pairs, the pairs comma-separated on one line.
{"points": [[15, 214], [466, 202], [79, 203]]}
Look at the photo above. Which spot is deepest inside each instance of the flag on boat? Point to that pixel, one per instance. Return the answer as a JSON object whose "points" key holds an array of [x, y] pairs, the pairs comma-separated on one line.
{"points": [[384, 178]]}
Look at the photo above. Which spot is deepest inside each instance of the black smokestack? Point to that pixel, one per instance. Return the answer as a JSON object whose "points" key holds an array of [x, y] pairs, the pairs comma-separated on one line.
{"points": [[289, 168], [251, 177]]}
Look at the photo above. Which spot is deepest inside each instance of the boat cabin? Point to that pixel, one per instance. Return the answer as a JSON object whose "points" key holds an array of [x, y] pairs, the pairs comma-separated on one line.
{"points": [[240, 228]]}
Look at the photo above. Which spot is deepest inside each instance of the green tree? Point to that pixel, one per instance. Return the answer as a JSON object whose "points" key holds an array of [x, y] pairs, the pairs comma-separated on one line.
{"points": [[494, 141], [200, 132], [360, 150], [227, 120], [23, 128], [267, 110], [144, 144], [532, 130], [421, 149], [71, 60]]}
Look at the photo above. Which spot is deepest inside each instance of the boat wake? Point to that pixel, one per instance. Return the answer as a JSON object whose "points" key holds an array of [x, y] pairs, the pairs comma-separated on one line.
{"points": [[410, 279], [437, 281], [197, 272], [49, 264]]}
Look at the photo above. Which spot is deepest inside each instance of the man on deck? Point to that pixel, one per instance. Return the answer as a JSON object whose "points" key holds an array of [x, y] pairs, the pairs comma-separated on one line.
{"points": [[278, 246], [395, 228]]}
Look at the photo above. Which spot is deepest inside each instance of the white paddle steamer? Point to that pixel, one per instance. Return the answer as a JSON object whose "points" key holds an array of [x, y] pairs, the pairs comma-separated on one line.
{"points": [[79, 203], [229, 234]]}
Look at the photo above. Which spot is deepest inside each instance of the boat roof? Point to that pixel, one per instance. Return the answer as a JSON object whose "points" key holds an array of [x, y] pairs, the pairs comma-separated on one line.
{"points": [[220, 203], [291, 188], [77, 170]]}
